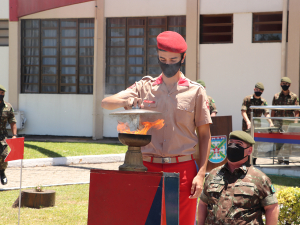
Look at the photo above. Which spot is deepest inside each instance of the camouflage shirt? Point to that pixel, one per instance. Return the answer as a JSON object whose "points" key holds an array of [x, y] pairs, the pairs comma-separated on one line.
{"points": [[281, 99], [212, 105], [238, 197], [7, 115], [250, 100]]}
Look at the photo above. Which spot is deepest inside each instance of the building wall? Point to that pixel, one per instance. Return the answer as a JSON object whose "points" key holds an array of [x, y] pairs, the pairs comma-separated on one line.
{"points": [[239, 6], [4, 9], [230, 71], [133, 8], [57, 114]]}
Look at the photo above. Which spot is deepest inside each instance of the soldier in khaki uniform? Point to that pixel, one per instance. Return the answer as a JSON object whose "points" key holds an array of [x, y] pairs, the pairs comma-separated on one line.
{"points": [[285, 97], [184, 106], [254, 99], [237, 192], [7, 115], [212, 105]]}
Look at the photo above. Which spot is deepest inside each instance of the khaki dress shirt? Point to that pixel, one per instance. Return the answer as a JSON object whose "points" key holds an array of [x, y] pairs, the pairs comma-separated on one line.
{"points": [[183, 108]]}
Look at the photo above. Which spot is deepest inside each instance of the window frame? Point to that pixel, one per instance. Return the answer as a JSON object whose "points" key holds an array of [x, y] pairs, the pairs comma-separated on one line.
{"points": [[268, 22], [59, 56], [4, 29], [215, 25]]}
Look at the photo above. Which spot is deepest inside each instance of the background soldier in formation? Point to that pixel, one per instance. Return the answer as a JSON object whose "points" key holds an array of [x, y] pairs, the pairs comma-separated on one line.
{"points": [[254, 99], [7, 115], [285, 97], [212, 106], [237, 192]]}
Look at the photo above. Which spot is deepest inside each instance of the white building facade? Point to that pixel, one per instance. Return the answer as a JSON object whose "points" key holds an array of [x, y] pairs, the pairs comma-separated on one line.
{"points": [[59, 80]]}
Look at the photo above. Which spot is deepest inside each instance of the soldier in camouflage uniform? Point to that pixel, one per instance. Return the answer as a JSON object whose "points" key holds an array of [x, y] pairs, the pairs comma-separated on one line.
{"points": [[212, 106], [254, 99], [236, 192], [285, 97], [7, 115]]}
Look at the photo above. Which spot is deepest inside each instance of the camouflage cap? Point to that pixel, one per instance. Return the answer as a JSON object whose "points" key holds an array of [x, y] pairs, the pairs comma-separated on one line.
{"points": [[2, 88], [260, 86], [201, 82], [286, 79], [241, 135]]}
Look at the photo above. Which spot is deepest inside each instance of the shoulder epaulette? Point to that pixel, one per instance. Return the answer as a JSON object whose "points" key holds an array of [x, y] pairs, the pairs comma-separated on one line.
{"points": [[195, 83]]}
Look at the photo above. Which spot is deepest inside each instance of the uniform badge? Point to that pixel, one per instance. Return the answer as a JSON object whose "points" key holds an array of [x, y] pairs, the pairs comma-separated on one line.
{"points": [[218, 148], [213, 101], [266, 103], [273, 189]]}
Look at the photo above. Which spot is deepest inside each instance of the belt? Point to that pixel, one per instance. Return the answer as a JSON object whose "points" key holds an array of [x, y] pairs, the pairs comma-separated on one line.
{"points": [[175, 159]]}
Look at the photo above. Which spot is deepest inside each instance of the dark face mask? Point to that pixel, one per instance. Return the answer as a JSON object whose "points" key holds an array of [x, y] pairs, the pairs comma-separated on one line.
{"points": [[235, 152], [1, 97], [257, 93], [285, 87], [169, 70]]}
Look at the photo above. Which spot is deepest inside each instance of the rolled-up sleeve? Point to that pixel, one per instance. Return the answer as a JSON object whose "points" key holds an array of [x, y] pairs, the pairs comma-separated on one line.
{"points": [[202, 114], [244, 105], [132, 91], [269, 200]]}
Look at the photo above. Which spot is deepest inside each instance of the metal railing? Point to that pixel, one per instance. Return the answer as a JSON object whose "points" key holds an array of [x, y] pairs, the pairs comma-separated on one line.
{"points": [[291, 128]]}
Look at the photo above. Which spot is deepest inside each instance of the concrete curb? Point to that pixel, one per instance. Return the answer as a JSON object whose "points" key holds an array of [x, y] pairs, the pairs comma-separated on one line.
{"points": [[63, 161]]}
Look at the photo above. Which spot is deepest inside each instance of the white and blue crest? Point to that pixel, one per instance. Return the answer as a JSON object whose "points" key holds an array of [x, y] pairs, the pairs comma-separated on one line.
{"points": [[218, 150]]}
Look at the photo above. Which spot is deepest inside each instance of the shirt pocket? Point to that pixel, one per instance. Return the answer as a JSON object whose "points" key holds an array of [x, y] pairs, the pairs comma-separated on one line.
{"points": [[185, 114], [214, 191], [185, 107], [5, 113], [244, 194]]}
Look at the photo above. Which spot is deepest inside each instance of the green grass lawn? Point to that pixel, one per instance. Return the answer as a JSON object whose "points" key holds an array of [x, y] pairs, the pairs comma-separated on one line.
{"points": [[71, 205], [35, 149]]}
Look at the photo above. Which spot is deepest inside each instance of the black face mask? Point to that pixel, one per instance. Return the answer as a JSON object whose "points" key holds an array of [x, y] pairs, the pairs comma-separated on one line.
{"points": [[285, 87], [257, 93], [169, 70], [1, 97], [235, 152]]}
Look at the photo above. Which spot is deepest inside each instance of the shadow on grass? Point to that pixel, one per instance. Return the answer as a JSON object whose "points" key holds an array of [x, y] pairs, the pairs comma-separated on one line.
{"points": [[286, 181], [44, 151]]}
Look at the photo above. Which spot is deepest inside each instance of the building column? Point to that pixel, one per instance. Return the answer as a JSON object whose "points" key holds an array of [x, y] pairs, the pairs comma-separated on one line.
{"points": [[14, 80], [293, 56], [99, 70], [192, 39]]}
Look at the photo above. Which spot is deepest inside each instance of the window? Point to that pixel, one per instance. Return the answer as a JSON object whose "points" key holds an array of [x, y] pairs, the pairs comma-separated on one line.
{"points": [[57, 56], [267, 27], [216, 29], [3, 32], [131, 49]]}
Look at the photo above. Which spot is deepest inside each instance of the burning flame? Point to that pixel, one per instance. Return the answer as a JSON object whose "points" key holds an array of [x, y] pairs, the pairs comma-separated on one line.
{"points": [[124, 127]]}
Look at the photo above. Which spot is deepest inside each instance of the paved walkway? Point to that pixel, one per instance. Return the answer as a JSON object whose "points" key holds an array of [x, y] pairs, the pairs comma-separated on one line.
{"points": [[80, 173], [53, 175]]}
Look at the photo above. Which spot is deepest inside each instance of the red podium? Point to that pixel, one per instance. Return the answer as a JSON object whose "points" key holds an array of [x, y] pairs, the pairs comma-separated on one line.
{"points": [[129, 198]]}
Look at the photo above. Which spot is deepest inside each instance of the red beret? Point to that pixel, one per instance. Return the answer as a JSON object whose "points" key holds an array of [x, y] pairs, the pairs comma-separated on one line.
{"points": [[171, 41]]}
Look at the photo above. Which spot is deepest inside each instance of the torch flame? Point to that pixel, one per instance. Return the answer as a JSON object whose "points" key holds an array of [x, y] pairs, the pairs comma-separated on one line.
{"points": [[124, 127]]}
